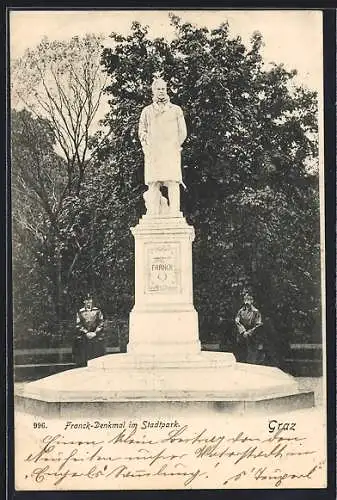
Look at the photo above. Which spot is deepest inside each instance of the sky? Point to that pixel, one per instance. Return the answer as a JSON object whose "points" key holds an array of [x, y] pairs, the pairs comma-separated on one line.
{"points": [[292, 37]]}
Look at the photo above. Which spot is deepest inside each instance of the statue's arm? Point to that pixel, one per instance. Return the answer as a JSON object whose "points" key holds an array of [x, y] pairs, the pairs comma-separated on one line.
{"points": [[181, 126], [143, 129]]}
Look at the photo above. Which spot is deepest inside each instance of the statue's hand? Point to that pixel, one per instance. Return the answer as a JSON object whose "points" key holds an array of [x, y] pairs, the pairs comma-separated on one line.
{"points": [[91, 335]]}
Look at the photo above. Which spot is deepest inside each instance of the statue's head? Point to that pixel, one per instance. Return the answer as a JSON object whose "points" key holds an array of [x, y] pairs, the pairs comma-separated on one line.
{"points": [[159, 89]]}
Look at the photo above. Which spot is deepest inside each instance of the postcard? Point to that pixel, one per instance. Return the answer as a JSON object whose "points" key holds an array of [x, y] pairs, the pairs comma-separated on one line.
{"points": [[168, 249]]}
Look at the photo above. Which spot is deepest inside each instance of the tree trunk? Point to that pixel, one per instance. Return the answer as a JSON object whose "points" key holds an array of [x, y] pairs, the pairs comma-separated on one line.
{"points": [[58, 290]]}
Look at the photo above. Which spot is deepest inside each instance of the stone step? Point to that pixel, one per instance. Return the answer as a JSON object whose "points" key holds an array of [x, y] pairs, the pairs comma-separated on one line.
{"points": [[64, 354], [213, 385], [180, 408], [30, 364]]}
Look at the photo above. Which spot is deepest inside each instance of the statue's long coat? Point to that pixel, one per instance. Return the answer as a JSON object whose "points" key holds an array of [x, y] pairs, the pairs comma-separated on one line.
{"points": [[162, 132]]}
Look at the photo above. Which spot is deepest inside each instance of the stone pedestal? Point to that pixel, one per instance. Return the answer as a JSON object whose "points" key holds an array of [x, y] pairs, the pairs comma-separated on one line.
{"points": [[163, 322], [164, 367]]}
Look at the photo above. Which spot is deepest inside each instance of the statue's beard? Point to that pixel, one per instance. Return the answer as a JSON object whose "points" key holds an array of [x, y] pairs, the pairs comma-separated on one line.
{"points": [[162, 100]]}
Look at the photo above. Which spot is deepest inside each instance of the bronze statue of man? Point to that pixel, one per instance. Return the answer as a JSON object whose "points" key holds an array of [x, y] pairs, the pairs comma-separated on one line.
{"points": [[162, 130]]}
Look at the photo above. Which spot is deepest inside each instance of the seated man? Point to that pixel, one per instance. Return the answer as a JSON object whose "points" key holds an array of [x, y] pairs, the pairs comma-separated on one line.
{"points": [[249, 344], [89, 339]]}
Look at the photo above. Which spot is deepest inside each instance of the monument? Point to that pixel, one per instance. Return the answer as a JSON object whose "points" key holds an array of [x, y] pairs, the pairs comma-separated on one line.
{"points": [[163, 321], [164, 363]]}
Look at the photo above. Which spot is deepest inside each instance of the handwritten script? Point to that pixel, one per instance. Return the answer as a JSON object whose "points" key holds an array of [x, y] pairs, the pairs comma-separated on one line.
{"points": [[173, 456]]}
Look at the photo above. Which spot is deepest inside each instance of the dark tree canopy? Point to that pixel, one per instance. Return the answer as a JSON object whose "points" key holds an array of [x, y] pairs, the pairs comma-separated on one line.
{"points": [[250, 166]]}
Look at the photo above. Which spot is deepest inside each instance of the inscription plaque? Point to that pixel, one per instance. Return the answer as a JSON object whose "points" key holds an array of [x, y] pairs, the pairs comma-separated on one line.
{"points": [[163, 268]]}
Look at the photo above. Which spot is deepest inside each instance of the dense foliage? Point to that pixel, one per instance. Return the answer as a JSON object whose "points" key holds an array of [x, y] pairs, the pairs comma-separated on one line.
{"points": [[250, 166]]}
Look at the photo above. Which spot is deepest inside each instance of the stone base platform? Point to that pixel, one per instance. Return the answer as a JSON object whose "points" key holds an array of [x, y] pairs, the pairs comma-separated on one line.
{"points": [[120, 383]]}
